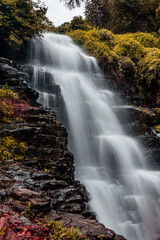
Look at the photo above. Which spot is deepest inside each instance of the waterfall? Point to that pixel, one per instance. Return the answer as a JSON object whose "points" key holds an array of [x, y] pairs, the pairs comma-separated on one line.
{"points": [[124, 192]]}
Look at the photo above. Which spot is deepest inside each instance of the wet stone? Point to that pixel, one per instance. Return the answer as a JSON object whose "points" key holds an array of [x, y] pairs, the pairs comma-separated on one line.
{"points": [[39, 204], [24, 194], [29, 181]]}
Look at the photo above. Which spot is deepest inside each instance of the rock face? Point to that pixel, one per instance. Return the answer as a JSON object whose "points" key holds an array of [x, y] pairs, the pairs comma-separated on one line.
{"points": [[44, 182]]}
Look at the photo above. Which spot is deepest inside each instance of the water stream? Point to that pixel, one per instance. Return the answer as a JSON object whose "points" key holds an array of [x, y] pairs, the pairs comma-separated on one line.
{"points": [[124, 192]]}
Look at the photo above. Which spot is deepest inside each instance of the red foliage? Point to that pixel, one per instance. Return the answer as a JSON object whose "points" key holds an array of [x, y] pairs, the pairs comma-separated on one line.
{"points": [[20, 107], [16, 227]]}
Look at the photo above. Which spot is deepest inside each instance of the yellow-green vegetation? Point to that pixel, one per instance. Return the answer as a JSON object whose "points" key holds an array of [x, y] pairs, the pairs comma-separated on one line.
{"points": [[147, 111], [101, 237], [133, 57], [20, 20], [6, 109], [123, 15], [157, 128], [28, 211], [76, 23], [7, 92], [3, 230], [10, 148], [57, 231]]}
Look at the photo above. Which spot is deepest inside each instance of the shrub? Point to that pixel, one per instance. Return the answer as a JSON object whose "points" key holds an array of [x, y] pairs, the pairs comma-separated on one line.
{"points": [[20, 20], [10, 148], [58, 232], [149, 70], [6, 109], [11, 106], [130, 48], [147, 40], [127, 57]]}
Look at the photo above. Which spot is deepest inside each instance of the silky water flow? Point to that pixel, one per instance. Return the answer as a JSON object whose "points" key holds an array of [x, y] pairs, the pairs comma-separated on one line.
{"points": [[124, 192]]}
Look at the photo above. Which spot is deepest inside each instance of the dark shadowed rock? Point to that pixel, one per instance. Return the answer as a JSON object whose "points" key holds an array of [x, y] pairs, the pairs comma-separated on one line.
{"points": [[44, 181], [91, 228], [25, 194]]}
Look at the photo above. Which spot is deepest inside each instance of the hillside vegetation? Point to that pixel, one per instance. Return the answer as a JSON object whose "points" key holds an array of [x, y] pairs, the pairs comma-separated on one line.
{"points": [[130, 57], [20, 20]]}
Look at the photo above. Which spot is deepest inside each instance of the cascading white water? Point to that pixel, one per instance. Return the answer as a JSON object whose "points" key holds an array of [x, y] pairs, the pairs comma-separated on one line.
{"points": [[124, 192]]}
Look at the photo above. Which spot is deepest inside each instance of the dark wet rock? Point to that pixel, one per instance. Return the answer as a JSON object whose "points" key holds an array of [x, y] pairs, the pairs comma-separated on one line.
{"points": [[90, 228], [67, 200], [24, 194], [40, 204], [89, 215], [3, 194], [28, 93], [71, 207], [7, 71], [11, 82], [44, 182]]}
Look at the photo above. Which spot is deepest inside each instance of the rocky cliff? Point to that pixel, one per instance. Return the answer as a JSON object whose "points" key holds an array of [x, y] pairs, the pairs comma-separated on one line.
{"points": [[41, 183]]}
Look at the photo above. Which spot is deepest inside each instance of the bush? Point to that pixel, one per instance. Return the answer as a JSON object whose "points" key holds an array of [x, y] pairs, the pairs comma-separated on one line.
{"points": [[20, 20], [127, 57], [11, 106], [58, 232], [149, 71], [130, 48], [6, 109], [12, 149]]}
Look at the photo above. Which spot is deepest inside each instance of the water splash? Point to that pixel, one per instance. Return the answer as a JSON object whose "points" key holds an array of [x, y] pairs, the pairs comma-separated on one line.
{"points": [[124, 192]]}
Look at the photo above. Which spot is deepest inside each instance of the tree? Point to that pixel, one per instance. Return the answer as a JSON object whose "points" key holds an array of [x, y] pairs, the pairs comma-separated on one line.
{"points": [[20, 20], [134, 15], [121, 16], [77, 23], [97, 12], [73, 3], [158, 18]]}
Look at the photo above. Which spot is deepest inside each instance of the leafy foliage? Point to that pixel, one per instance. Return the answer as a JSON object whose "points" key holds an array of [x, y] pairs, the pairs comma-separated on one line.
{"points": [[157, 128], [149, 70], [73, 3], [7, 92], [57, 231], [12, 108], [20, 20], [123, 15], [6, 110], [130, 58], [12, 149], [97, 12], [76, 23]]}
